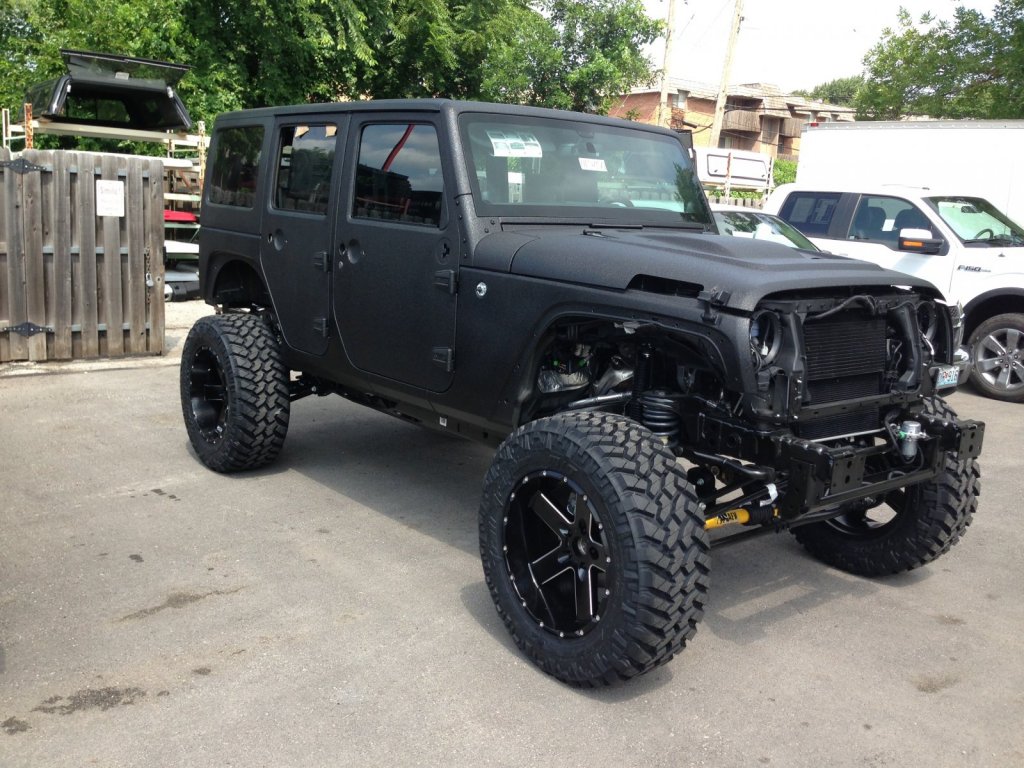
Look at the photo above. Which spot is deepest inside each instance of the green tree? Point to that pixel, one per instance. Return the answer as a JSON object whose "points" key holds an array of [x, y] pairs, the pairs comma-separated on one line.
{"points": [[253, 53], [841, 91], [32, 32], [1008, 26], [783, 171], [250, 53], [968, 67], [570, 54], [18, 37]]}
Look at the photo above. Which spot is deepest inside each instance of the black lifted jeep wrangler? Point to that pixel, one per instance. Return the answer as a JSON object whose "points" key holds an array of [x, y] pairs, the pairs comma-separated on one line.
{"points": [[553, 284]]}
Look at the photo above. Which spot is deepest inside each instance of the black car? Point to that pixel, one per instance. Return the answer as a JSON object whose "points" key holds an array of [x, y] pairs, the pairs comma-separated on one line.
{"points": [[552, 284]]}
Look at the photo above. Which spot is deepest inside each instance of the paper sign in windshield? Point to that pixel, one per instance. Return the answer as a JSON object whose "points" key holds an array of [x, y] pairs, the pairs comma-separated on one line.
{"points": [[593, 164], [514, 144]]}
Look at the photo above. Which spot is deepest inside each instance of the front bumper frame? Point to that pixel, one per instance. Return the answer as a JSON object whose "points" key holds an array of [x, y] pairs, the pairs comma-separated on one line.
{"points": [[819, 476]]}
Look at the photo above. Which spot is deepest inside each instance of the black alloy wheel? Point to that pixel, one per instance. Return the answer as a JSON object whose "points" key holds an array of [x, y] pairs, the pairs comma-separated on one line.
{"points": [[555, 553], [593, 547]]}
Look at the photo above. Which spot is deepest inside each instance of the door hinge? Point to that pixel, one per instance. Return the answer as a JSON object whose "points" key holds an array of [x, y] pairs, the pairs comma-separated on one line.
{"points": [[321, 327], [27, 329], [322, 261], [22, 166], [445, 280], [445, 357]]}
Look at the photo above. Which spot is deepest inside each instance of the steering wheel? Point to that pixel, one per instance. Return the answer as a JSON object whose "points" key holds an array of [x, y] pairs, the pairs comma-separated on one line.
{"points": [[991, 234]]}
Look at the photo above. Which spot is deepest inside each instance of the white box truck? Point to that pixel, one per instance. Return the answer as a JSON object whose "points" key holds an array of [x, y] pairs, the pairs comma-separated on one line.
{"points": [[912, 199], [979, 158]]}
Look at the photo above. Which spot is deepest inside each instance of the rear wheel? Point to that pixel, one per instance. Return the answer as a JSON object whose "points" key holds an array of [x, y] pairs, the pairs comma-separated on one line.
{"points": [[907, 528], [997, 357], [234, 392], [593, 547]]}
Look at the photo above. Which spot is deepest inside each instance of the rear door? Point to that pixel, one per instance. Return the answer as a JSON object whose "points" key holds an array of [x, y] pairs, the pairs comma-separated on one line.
{"points": [[397, 270], [298, 224]]}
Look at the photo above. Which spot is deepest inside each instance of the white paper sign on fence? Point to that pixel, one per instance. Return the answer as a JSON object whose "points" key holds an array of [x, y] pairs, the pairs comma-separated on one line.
{"points": [[109, 198]]}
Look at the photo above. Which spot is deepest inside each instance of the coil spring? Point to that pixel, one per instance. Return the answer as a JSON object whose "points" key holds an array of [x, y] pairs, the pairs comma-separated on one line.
{"points": [[658, 414]]}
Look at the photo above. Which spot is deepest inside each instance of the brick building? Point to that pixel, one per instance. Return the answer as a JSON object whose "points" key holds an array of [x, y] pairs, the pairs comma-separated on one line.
{"points": [[758, 116]]}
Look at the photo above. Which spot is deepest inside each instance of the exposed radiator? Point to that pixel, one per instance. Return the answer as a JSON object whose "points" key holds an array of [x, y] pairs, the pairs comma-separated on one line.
{"points": [[845, 360]]}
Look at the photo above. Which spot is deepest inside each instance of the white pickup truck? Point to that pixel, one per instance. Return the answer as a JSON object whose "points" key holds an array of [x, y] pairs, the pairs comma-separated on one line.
{"points": [[961, 243]]}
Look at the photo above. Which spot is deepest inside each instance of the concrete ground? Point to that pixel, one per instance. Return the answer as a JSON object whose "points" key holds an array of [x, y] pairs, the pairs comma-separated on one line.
{"points": [[331, 610]]}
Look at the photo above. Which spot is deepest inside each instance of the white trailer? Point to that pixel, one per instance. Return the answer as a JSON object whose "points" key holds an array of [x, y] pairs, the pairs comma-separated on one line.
{"points": [[980, 158]]}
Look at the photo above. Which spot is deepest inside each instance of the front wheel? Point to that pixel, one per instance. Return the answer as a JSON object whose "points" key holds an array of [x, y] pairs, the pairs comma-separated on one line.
{"points": [[908, 528], [234, 392], [593, 547], [997, 358]]}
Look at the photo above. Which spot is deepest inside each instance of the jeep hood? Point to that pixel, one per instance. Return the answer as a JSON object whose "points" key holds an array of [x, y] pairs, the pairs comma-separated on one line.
{"points": [[749, 270]]}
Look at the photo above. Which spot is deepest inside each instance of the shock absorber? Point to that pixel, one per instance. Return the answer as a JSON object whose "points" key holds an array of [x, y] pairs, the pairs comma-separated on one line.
{"points": [[641, 380]]}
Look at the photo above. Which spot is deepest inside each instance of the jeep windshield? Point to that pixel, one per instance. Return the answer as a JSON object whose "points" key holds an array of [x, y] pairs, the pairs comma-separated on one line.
{"points": [[976, 221], [569, 170]]}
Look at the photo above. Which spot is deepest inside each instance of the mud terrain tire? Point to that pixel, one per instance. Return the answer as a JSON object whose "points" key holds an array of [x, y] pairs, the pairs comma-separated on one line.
{"points": [[593, 547], [234, 392], [911, 527]]}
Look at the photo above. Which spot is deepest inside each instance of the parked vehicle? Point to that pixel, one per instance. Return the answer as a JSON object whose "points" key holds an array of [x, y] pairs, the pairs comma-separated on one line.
{"points": [[758, 225], [721, 170], [964, 245], [551, 284]]}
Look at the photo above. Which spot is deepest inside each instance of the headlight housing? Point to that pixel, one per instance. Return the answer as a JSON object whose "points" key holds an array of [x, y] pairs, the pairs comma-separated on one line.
{"points": [[765, 337]]}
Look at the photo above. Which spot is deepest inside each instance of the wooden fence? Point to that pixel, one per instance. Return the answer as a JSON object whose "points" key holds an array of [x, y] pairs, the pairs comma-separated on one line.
{"points": [[81, 255]]}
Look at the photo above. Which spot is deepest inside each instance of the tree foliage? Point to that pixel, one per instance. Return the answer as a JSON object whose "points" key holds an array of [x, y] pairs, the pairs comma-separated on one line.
{"points": [[971, 66], [248, 53], [574, 55], [842, 91], [783, 171]]}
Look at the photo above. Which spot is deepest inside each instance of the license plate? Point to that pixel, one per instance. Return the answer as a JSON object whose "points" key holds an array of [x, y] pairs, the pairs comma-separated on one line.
{"points": [[946, 376]]}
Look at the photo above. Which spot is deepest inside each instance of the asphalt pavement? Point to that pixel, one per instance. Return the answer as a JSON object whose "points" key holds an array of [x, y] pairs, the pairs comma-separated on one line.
{"points": [[331, 611]]}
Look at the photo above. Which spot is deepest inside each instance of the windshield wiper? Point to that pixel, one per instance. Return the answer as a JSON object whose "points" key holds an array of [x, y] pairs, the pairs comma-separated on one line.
{"points": [[1007, 240], [995, 241]]}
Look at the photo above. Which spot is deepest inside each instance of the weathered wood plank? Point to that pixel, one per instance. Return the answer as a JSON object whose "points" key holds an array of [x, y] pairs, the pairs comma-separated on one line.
{"points": [[112, 306], [155, 249], [135, 280], [16, 306], [60, 234], [86, 292], [5, 303], [33, 212]]}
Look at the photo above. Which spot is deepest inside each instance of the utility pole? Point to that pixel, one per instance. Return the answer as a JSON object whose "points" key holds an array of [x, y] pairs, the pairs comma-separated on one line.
{"points": [[716, 126], [664, 111]]}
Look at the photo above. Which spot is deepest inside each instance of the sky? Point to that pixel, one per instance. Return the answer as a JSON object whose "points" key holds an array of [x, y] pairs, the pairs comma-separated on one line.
{"points": [[794, 44]]}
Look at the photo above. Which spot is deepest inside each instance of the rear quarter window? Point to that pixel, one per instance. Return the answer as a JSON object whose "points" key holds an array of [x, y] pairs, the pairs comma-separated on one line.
{"points": [[236, 166], [810, 212]]}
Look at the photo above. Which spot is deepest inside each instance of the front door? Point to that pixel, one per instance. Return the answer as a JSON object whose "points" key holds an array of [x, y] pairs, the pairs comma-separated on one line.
{"points": [[875, 233], [298, 223], [397, 267]]}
